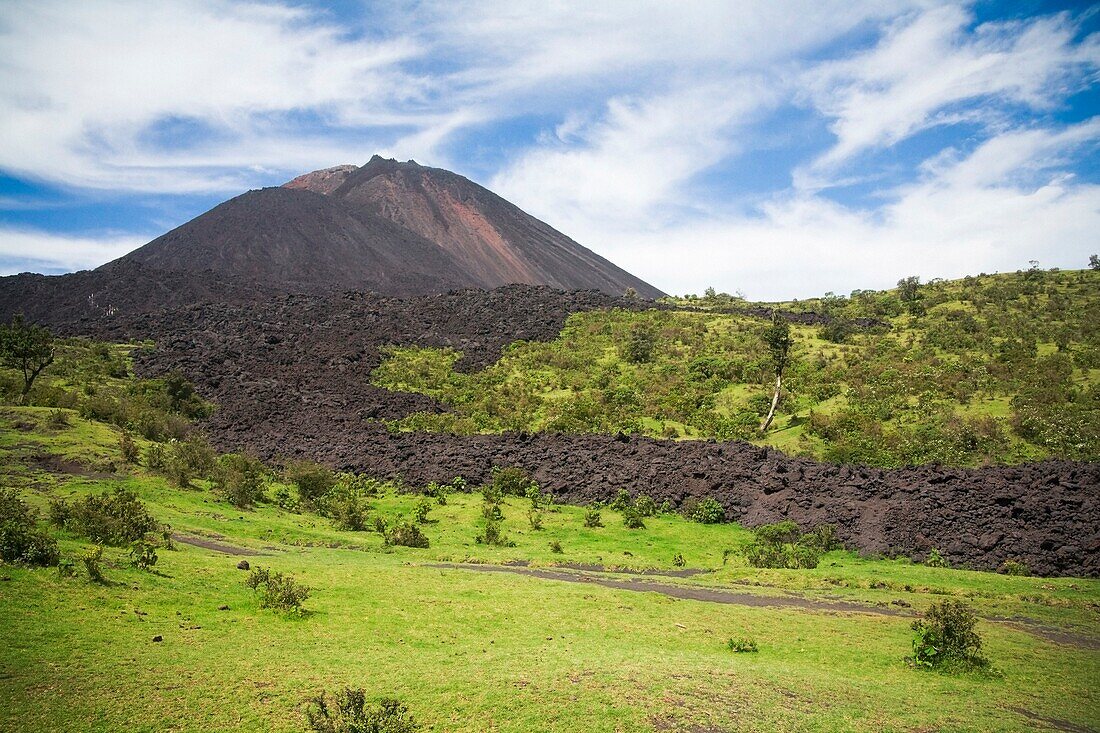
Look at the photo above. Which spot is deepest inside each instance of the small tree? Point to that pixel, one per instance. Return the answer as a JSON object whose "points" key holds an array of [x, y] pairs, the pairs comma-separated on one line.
{"points": [[26, 347], [778, 340], [1094, 262]]}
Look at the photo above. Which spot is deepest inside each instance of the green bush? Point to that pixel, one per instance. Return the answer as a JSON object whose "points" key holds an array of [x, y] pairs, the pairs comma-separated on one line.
{"points": [[20, 538], [706, 511], [646, 506], [621, 501], [92, 558], [406, 535], [1014, 567], [492, 512], [128, 448], [143, 554], [240, 479], [936, 560], [592, 518], [116, 518], [312, 479], [155, 457], [346, 506], [348, 713], [632, 518], [421, 510], [493, 535], [782, 545], [189, 459], [534, 517], [555, 547], [946, 638], [512, 481], [742, 644], [278, 591]]}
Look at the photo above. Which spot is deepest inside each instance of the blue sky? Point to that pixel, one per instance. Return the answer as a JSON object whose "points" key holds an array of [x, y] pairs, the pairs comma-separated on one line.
{"points": [[780, 149]]}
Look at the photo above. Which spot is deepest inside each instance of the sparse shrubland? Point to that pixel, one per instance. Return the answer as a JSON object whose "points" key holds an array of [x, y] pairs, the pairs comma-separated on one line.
{"points": [[995, 368]]}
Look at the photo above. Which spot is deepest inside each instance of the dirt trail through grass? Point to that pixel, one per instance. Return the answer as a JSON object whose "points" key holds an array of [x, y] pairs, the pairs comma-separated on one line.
{"points": [[712, 595]]}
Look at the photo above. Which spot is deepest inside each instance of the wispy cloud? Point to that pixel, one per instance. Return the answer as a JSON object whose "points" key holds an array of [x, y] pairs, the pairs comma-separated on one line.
{"points": [[636, 102]]}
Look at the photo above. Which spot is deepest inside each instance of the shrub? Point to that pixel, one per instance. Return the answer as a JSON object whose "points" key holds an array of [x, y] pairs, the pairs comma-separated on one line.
{"points": [[512, 481], [143, 554], [491, 494], [534, 516], [347, 508], [679, 561], [20, 538], [621, 501], [115, 518], [312, 479], [278, 591], [127, 447], [58, 419], [632, 518], [1014, 567], [823, 538], [494, 535], [645, 506], [240, 479], [707, 511], [592, 518], [936, 560], [188, 459], [284, 499], [555, 547], [492, 512], [438, 492], [421, 511], [155, 457], [66, 568], [348, 713], [742, 644], [946, 638], [91, 559], [406, 535], [782, 545]]}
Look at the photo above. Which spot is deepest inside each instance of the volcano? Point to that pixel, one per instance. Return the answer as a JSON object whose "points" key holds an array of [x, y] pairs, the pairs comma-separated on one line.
{"points": [[391, 227]]}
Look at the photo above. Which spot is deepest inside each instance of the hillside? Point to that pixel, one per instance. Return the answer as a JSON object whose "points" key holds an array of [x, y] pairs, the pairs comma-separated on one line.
{"points": [[1000, 369]]}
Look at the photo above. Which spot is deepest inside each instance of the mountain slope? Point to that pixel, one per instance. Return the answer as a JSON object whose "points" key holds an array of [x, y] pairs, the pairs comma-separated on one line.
{"points": [[288, 236], [492, 240]]}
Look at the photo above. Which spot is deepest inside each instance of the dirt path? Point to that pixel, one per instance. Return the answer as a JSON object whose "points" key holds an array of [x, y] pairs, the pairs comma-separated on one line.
{"points": [[212, 545], [714, 595]]}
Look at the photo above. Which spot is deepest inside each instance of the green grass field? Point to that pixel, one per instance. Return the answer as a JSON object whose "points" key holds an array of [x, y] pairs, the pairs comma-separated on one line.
{"points": [[500, 651]]}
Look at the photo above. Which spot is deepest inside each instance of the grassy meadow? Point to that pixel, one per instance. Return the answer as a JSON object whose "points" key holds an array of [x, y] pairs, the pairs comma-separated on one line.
{"points": [[469, 650]]}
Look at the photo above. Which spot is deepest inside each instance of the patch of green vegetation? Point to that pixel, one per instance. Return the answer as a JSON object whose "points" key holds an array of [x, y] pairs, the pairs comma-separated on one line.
{"points": [[192, 647], [995, 368]]}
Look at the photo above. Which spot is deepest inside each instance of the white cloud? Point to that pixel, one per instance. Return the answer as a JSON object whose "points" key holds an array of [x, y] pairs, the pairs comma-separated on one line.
{"points": [[632, 163], [59, 252], [640, 98], [84, 84], [928, 62], [994, 210]]}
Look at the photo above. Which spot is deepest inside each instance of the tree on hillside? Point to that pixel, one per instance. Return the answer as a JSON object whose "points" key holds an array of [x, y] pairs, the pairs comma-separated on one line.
{"points": [[778, 340], [26, 347], [1094, 262]]}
